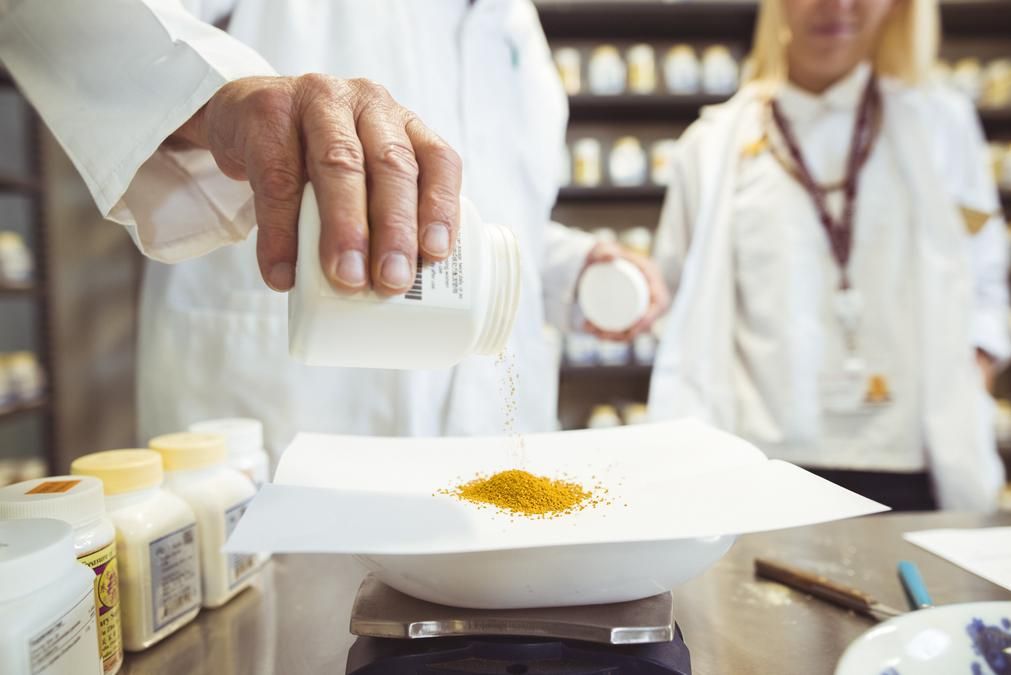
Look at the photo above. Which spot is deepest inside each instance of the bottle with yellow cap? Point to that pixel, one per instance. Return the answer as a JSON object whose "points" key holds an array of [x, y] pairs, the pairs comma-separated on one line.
{"points": [[156, 544], [195, 470]]}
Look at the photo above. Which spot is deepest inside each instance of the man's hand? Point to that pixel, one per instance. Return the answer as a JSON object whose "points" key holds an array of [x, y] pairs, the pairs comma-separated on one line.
{"points": [[386, 184], [659, 298]]}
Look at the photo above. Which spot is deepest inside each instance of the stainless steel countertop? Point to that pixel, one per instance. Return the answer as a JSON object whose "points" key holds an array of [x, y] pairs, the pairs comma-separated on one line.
{"points": [[295, 622]]}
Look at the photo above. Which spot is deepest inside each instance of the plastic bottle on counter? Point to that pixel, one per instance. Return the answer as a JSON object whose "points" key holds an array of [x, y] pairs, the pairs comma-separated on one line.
{"points": [[195, 471], [244, 440], [603, 417], [627, 163], [461, 306], [606, 71], [47, 602], [569, 64], [641, 69], [613, 295], [156, 544], [682, 71], [586, 171], [79, 502]]}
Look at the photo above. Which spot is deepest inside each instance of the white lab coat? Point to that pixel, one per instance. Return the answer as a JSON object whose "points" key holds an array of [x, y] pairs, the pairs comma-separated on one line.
{"points": [[963, 297], [113, 79]]}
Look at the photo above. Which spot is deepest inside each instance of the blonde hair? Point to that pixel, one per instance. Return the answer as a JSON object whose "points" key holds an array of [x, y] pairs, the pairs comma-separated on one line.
{"points": [[907, 43]]}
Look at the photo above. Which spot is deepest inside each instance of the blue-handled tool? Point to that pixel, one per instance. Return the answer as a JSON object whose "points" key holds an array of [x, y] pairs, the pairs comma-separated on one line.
{"points": [[916, 589]]}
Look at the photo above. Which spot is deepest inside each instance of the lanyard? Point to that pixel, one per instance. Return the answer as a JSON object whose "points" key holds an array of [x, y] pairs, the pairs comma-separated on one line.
{"points": [[839, 231]]}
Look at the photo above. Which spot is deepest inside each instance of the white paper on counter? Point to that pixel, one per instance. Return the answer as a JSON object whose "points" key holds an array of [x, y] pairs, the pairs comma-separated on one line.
{"points": [[672, 480], [986, 552]]}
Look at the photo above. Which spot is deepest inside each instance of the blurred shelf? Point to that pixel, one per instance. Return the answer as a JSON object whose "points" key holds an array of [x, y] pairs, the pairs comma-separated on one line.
{"points": [[18, 289], [724, 20], [609, 193], [996, 121], [9, 183], [639, 108], [14, 410], [1005, 199], [632, 371]]}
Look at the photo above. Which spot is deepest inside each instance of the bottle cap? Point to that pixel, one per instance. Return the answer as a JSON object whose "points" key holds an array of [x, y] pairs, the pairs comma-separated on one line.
{"points": [[613, 296], [121, 470], [33, 554], [72, 499], [187, 450], [243, 435]]}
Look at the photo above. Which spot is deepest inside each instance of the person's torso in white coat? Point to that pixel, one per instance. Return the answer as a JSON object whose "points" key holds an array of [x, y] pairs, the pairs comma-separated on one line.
{"points": [[213, 338], [753, 338]]}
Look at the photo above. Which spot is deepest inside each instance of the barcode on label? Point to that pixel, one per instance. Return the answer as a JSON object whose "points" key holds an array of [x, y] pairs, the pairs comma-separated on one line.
{"points": [[178, 604], [415, 292]]}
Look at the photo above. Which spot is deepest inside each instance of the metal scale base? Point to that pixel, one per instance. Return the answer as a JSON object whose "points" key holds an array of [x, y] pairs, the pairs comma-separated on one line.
{"points": [[629, 638]]}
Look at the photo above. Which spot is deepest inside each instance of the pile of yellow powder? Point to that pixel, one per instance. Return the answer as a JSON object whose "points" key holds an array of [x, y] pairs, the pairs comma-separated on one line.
{"points": [[523, 493]]}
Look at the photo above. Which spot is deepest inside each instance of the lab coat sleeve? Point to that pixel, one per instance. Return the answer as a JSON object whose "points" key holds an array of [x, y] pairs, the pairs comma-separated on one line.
{"points": [[565, 252], [112, 79], [673, 233]]}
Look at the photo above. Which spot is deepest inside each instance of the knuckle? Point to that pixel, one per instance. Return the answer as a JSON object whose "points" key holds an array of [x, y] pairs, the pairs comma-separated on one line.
{"points": [[315, 81], [368, 88], [398, 160], [343, 155], [446, 158], [271, 102], [279, 182]]}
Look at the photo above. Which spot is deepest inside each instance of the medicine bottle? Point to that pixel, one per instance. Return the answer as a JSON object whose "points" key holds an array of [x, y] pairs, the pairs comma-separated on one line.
{"points": [[461, 306], [606, 71], [156, 545], [613, 295], [641, 69], [627, 163], [47, 605], [244, 439], [682, 70], [569, 64], [586, 163], [79, 502], [195, 470]]}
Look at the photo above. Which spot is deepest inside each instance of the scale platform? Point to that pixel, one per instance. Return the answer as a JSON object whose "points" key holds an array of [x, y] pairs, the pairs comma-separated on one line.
{"points": [[401, 635]]}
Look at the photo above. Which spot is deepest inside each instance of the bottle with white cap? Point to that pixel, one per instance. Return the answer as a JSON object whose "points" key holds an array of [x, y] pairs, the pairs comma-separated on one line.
{"points": [[613, 295], [156, 545], [195, 470], [244, 438], [79, 502], [47, 606]]}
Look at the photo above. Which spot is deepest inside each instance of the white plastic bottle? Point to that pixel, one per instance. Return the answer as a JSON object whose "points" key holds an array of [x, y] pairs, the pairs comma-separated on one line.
{"points": [[156, 544], [79, 502], [195, 470], [613, 295], [47, 606], [461, 306], [244, 438], [641, 69]]}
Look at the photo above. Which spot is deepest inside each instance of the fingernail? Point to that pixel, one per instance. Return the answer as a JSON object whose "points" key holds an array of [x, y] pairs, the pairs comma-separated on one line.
{"points": [[436, 239], [351, 269], [396, 271], [282, 276]]}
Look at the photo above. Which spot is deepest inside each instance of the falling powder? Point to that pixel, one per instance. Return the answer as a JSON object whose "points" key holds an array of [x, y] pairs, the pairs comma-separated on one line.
{"points": [[508, 390]]}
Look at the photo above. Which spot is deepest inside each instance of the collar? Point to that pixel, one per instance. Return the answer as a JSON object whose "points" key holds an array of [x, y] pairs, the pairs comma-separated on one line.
{"points": [[801, 106]]}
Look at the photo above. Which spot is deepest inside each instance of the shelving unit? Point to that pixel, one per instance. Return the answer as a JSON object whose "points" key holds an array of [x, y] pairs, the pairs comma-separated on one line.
{"points": [[24, 183], [967, 23]]}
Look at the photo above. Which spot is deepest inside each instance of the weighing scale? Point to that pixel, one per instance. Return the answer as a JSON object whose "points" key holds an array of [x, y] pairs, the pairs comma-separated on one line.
{"points": [[402, 635]]}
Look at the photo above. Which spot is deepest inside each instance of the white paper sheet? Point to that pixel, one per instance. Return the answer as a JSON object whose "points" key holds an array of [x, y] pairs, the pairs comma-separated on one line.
{"points": [[674, 480], [986, 552]]}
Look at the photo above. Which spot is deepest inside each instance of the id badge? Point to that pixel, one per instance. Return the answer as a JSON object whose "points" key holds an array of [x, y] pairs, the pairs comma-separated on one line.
{"points": [[844, 390]]}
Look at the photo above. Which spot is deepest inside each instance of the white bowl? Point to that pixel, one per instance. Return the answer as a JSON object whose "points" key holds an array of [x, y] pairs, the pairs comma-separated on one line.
{"points": [[557, 576], [970, 639]]}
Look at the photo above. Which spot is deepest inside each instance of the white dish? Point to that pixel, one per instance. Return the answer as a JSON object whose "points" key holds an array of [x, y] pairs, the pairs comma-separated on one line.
{"points": [[971, 638], [680, 492]]}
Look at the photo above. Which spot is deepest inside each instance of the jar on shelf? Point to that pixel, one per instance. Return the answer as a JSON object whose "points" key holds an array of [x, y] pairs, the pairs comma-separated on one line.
{"points": [[612, 352], [603, 417], [25, 376], [637, 240], [682, 70], [997, 84], [580, 349], [719, 71], [605, 235], [16, 264], [967, 77], [661, 161], [569, 64], [641, 69], [606, 71], [635, 413], [586, 171], [627, 162]]}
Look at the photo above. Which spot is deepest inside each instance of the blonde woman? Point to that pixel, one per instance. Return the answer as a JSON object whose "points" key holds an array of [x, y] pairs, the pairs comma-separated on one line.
{"points": [[840, 266]]}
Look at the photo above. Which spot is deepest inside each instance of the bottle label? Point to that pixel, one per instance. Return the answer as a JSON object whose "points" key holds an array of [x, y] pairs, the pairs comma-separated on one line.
{"points": [[436, 284], [110, 635], [69, 645], [175, 576], [240, 565]]}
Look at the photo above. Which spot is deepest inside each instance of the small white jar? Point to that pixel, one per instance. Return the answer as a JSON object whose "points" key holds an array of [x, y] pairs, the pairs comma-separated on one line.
{"points": [[637, 240], [635, 413], [644, 349], [25, 377], [244, 438], [662, 156], [569, 65], [682, 71], [580, 349], [612, 352], [641, 69], [79, 502], [16, 262], [603, 417], [719, 71], [156, 545], [458, 307], [627, 163], [195, 471], [47, 606], [613, 295], [605, 235], [586, 169], [606, 71]]}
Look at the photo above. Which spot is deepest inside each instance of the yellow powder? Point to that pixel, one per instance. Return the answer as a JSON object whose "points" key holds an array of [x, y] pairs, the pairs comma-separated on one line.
{"points": [[523, 493]]}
